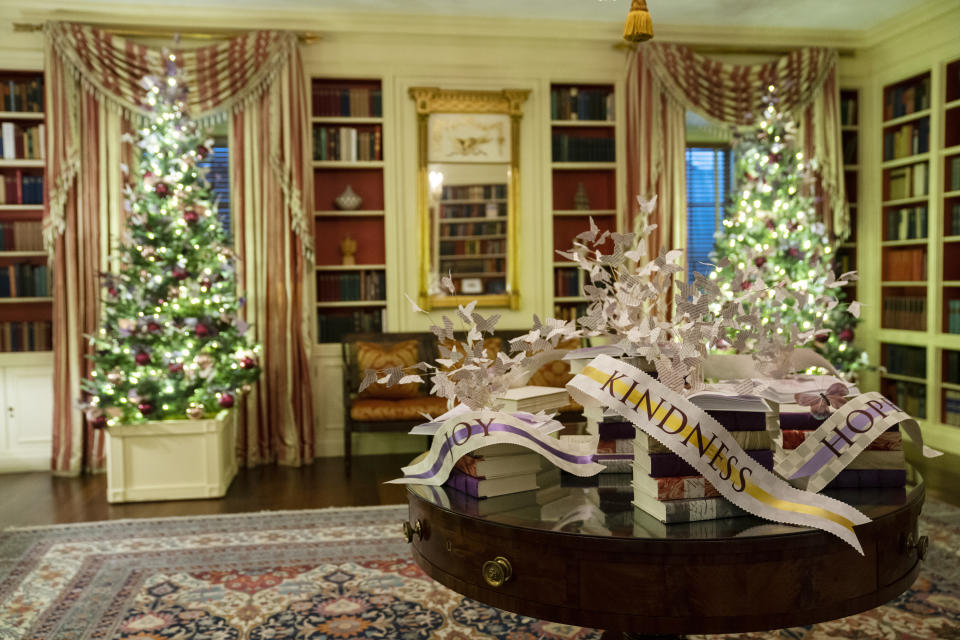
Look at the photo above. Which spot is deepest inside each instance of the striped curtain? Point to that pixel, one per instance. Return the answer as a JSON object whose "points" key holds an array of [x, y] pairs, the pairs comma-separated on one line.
{"points": [[665, 80], [93, 92]]}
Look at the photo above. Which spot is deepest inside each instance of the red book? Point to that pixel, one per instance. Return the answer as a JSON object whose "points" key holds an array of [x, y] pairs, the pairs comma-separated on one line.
{"points": [[19, 187]]}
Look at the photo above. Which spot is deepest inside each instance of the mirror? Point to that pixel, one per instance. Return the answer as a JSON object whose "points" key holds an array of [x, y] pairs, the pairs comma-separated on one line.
{"points": [[468, 194]]}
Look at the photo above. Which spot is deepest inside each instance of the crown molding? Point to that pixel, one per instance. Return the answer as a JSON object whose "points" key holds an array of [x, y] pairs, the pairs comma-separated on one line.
{"points": [[907, 21]]}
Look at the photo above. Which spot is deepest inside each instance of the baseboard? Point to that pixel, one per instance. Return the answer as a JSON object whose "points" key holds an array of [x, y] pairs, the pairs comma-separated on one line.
{"points": [[24, 463], [368, 444]]}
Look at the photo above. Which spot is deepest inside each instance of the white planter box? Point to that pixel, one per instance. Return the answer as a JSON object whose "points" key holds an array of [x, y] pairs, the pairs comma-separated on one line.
{"points": [[171, 459]]}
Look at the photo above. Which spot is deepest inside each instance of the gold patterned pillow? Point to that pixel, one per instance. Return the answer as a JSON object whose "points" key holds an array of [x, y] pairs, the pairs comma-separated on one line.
{"points": [[556, 373], [374, 355]]}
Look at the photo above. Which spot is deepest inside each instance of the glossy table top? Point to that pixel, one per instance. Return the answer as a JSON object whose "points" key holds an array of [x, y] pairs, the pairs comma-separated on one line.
{"points": [[570, 507]]}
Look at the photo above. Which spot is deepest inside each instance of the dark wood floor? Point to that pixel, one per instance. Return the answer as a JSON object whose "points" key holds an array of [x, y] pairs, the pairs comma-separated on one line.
{"points": [[39, 498]]}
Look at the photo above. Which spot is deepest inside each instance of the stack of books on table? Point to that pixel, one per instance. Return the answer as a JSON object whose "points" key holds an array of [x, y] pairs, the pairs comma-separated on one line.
{"points": [[881, 464], [615, 447], [533, 399], [501, 469], [670, 490], [529, 504]]}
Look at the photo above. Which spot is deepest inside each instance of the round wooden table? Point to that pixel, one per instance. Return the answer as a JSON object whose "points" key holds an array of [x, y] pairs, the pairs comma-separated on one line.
{"points": [[586, 556]]}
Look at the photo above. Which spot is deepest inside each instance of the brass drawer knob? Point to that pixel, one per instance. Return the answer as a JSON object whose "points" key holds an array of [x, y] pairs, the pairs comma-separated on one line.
{"points": [[920, 543], [497, 571], [413, 530]]}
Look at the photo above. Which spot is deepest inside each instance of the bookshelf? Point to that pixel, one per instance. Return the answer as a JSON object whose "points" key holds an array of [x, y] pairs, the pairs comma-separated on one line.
{"points": [[26, 307], [584, 139], [846, 256], [347, 136]]}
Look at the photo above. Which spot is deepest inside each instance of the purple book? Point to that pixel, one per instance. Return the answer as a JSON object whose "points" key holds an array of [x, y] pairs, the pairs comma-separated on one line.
{"points": [[804, 421], [740, 420], [856, 478], [617, 430], [669, 465]]}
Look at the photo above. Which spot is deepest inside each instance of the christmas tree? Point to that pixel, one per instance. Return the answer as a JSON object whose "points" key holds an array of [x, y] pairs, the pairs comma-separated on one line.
{"points": [[171, 343], [772, 222]]}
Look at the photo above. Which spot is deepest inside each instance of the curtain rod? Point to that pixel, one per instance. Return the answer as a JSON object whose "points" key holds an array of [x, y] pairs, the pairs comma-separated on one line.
{"points": [[734, 49], [305, 37]]}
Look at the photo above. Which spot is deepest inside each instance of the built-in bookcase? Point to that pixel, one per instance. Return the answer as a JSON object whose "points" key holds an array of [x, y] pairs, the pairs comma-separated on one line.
{"points": [[25, 284], [347, 123], [846, 258], [583, 128]]}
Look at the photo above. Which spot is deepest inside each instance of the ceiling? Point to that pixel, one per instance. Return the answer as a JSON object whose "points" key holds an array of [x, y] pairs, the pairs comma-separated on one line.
{"points": [[855, 15]]}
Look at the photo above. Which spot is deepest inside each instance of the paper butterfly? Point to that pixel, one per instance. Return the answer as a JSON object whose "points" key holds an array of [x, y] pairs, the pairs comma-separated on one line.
{"points": [[821, 402]]}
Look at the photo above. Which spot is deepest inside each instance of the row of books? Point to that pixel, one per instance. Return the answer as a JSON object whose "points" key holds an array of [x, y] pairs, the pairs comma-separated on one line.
{"points": [[24, 281], [909, 396], [339, 102], [905, 264], [21, 235], [850, 147], [953, 316], [474, 192], [23, 95], [350, 286], [472, 247], [955, 219], [907, 140], [906, 223], [848, 110], [568, 312], [488, 266], [906, 361], [473, 229], [574, 103], [844, 261], [905, 312], [904, 100], [22, 143], [954, 174], [26, 336], [951, 407], [566, 283], [951, 373], [347, 144], [17, 188], [567, 148], [333, 325], [908, 182], [474, 210]]}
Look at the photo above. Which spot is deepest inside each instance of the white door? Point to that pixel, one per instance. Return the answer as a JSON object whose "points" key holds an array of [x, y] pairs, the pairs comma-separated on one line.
{"points": [[28, 413]]}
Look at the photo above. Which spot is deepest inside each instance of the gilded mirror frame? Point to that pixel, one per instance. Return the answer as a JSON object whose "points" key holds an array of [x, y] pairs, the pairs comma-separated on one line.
{"points": [[433, 100]]}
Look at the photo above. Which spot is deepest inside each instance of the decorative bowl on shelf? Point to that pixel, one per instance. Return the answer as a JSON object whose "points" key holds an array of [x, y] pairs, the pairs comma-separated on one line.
{"points": [[348, 200]]}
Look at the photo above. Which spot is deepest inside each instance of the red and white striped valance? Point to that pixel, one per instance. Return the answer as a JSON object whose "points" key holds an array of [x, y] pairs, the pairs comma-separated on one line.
{"points": [[221, 76]]}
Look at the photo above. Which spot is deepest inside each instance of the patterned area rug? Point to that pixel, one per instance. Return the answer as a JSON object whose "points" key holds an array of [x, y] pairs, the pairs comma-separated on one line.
{"points": [[334, 574]]}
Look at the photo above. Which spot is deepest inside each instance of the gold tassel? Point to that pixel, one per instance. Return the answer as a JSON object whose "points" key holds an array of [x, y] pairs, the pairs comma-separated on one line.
{"points": [[639, 25]]}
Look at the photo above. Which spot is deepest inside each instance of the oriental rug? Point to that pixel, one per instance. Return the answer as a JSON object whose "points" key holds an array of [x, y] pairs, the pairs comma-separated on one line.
{"points": [[333, 574]]}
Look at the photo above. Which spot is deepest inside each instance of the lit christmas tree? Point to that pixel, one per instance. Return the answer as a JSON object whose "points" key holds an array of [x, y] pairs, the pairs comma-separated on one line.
{"points": [[773, 223], [171, 344]]}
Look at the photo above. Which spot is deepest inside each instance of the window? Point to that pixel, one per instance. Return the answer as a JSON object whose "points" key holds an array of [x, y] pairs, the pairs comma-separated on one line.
{"points": [[217, 164], [709, 176]]}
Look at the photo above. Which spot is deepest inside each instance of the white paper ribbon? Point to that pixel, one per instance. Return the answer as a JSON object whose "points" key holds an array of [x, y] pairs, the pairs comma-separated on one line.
{"points": [[704, 444], [472, 430], [843, 436]]}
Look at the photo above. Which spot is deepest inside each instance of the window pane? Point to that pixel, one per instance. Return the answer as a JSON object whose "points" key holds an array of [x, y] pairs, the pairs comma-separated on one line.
{"points": [[708, 180], [218, 175]]}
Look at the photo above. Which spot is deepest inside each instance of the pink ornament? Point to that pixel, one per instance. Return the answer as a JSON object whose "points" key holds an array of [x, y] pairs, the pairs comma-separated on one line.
{"points": [[145, 407], [175, 367], [201, 330], [191, 216], [846, 335], [248, 363], [162, 189], [180, 273]]}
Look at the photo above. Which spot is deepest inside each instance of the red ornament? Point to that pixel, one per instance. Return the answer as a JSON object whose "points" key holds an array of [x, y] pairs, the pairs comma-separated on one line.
{"points": [[744, 286], [771, 225], [793, 252], [846, 335], [162, 189], [759, 261], [202, 151], [201, 330], [225, 400], [153, 327], [100, 422], [175, 367], [180, 273], [113, 291], [822, 337], [248, 362], [205, 283], [145, 407], [191, 216], [142, 358]]}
